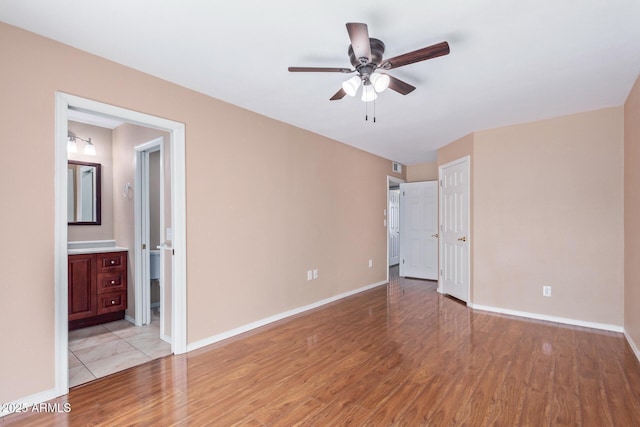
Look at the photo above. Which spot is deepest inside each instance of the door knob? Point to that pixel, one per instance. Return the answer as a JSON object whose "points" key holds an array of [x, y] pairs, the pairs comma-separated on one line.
{"points": [[462, 239], [435, 235]]}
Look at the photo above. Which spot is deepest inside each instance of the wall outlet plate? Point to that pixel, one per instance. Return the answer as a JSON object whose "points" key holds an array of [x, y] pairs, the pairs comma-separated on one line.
{"points": [[546, 291], [315, 273]]}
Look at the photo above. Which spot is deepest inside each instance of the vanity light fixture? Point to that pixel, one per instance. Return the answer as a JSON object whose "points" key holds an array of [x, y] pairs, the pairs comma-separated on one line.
{"points": [[72, 145]]}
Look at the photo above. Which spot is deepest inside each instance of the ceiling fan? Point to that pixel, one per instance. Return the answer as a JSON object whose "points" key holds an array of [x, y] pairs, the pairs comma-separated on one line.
{"points": [[366, 57]]}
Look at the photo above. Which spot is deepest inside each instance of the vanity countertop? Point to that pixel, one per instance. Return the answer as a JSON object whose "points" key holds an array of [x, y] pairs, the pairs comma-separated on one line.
{"points": [[93, 247], [95, 250]]}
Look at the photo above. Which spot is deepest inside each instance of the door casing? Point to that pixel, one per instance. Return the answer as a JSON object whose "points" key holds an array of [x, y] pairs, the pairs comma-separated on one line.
{"points": [[64, 102]]}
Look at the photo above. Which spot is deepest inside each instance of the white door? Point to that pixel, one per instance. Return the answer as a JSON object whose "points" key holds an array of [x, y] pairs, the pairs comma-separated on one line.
{"points": [[145, 232], [394, 227], [419, 230], [454, 228], [145, 211]]}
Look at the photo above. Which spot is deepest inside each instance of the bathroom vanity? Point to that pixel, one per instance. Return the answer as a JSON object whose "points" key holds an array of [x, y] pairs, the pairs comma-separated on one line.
{"points": [[97, 286]]}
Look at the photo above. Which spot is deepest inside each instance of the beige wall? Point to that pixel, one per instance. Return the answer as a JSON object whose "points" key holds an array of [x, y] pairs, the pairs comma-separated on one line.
{"points": [[632, 214], [265, 203], [456, 150], [422, 172], [101, 138], [548, 210]]}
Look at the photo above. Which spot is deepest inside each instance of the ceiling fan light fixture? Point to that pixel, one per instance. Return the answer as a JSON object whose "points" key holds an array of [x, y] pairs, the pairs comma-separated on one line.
{"points": [[380, 81], [368, 93], [351, 85]]}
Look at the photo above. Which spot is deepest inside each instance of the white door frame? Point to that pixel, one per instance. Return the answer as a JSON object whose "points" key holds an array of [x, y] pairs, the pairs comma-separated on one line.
{"points": [[467, 160], [63, 102], [141, 215], [390, 179]]}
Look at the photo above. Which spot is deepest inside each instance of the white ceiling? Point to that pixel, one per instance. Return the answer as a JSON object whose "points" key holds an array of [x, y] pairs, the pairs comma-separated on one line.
{"points": [[510, 62]]}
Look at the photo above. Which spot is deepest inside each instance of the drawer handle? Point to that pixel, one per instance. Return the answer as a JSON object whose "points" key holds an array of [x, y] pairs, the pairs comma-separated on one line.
{"points": [[113, 282], [113, 302], [113, 261]]}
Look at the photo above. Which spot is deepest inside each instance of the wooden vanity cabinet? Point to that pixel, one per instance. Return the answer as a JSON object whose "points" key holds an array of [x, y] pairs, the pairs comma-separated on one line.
{"points": [[97, 288]]}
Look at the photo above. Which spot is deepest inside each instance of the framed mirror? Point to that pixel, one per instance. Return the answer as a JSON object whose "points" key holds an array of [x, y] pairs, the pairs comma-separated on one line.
{"points": [[83, 193]]}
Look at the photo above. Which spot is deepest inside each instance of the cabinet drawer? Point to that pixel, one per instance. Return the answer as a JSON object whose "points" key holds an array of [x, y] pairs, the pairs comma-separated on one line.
{"points": [[112, 261], [112, 282], [112, 301]]}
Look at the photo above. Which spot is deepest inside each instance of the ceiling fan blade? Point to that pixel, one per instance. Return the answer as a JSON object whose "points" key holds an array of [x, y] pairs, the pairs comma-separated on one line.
{"points": [[423, 54], [399, 86], [319, 70], [359, 35], [339, 95]]}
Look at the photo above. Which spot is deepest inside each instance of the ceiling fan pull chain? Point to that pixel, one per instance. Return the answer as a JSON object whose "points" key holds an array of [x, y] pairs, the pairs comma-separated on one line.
{"points": [[374, 110], [366, 112]]}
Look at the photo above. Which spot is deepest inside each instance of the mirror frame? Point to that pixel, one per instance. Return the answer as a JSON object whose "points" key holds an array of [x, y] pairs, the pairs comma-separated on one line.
{"points": [[98, 219]]}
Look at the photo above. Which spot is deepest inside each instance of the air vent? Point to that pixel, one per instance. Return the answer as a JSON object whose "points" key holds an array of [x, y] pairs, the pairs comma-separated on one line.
{"points": [[396, 167]]}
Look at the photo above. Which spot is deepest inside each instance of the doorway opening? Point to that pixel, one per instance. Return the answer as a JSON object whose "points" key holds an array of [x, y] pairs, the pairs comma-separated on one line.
{"points": [[175, 148], [153, 235], [393, 221]]}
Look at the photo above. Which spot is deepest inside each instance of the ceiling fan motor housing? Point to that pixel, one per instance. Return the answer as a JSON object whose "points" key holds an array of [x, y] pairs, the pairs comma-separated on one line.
{"points": [[377, 52]]}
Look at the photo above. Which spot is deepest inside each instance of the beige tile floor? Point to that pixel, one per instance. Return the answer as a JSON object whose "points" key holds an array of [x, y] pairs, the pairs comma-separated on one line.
{"points": [[101, 350]]}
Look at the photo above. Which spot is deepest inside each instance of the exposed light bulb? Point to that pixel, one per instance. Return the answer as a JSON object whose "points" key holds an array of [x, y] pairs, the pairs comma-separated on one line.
{"points": [[351, 85], [379, 81], [368, 93]]}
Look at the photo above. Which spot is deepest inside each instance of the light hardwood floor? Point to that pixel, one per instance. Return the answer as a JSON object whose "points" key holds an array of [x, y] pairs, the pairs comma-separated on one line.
{"points": [[395, 355]]}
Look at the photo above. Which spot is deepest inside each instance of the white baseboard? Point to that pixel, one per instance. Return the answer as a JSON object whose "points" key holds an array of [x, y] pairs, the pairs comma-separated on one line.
{"points": [[633, 345], [129, 319], [26, 403], [564, 320], [262, 322]]}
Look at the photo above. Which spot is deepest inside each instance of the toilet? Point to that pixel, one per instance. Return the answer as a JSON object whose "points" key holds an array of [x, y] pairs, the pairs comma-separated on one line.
{"points": [[154, 264]]}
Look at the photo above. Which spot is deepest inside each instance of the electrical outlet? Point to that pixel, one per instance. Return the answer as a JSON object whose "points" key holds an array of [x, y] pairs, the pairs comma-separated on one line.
{"points": [[315, 273], [546, 291], [370, 263], [309, 275]]}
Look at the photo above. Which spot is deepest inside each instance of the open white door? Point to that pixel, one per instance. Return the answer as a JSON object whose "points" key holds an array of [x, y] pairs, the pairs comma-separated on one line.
{"points": [[454, 228], [419, 230]]}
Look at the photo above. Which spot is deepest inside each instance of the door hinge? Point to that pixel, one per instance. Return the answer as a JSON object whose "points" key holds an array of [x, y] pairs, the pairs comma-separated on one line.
{"points": [[440, 183], [144, 246], [441, 272], [403, 261]]}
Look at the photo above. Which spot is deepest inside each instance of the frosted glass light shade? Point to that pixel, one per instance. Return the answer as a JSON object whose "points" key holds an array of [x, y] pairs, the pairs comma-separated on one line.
{"points": [[90, 149], [368, 93], [351, 86], [379, 81], [72, 147]]}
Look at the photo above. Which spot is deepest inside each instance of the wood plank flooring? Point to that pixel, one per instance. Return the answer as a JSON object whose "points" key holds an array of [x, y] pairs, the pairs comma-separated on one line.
{"points": [[399, 354]]}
